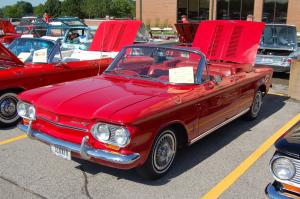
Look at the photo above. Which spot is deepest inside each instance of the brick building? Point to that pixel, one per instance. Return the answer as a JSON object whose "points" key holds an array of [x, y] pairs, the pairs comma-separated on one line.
{"points": [[168, 12]]}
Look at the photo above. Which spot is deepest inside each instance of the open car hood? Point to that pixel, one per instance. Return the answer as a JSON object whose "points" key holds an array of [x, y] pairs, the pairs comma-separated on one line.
{"points": [[114, 35], [228, 40], [7, 27], [186, 31], [7, 56], [290, 142]]}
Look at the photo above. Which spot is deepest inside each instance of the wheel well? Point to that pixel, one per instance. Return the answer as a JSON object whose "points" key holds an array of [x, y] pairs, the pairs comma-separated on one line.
{"points": [[263, 89], [181, 134], [13, 90]]}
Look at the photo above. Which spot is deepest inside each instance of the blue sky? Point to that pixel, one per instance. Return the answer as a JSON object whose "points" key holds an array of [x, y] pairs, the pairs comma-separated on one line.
{"points": [[11, 2]]}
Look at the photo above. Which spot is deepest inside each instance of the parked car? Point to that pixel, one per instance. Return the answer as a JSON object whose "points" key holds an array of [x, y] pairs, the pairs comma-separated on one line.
{"points": [[33, 62], [278, 47], [285, 166], [78, 38], [151, 101], [7, 32], [58, 27]]}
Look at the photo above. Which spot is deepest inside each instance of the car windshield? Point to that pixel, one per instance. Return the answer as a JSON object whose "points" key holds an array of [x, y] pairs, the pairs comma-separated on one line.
{"points": [[56, 32], [279, 37], [39, 32], [142, 35], [77, 36], [30, 50], [168, 65]]}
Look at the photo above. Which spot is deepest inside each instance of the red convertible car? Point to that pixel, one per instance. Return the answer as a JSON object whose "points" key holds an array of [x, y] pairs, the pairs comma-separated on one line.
{"points": [[33, 62], [152, 100]]}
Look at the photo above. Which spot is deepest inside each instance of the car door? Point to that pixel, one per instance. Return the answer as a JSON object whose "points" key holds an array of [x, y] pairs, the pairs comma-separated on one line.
{"points": [[218, 102]]}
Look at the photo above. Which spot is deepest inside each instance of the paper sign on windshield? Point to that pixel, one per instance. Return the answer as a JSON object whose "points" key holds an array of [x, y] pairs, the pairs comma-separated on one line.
{"points": [[182, 75], [40, 56], [23, 56]]}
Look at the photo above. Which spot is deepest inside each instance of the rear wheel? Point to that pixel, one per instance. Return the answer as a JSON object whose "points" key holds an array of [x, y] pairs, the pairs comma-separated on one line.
{"points": [[161, 157], [8, 109], [255, 107]]}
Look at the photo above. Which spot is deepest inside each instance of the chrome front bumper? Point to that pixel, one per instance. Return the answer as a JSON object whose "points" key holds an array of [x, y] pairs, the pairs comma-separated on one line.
{"points": [[85, 151], [273, 193]]}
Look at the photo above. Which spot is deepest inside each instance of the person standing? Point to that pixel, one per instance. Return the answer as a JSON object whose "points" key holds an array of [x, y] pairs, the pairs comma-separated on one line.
{"points": [[184, 19], [46, 17]]}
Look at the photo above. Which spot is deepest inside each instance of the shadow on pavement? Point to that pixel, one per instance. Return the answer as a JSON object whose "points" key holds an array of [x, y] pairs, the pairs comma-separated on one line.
{"points": [[189, 157]]}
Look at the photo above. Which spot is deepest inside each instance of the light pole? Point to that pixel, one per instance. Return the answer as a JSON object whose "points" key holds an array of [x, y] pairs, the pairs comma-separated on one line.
{"points": [[141, 11]]}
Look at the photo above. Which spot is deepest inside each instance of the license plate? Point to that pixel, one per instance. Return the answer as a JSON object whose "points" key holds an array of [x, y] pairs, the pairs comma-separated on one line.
{"points": [[268, 60], [61, 152]]}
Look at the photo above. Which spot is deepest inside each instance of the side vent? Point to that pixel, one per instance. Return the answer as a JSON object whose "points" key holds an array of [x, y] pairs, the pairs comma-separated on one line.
{"points": [[234, 41], [215, 44]]}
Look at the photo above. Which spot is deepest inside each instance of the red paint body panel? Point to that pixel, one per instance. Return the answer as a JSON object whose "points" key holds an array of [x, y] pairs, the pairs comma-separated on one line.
{"points": [[9, 32], [146, 107], [234, 41], [35, 75], [114, 35], [7, 56]]}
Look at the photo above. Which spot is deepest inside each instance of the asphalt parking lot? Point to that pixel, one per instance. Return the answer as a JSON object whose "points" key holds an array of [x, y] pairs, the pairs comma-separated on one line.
{"points": [[29, 170]]}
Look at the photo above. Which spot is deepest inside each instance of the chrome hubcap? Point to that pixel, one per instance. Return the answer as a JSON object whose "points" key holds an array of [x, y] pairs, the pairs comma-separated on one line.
{"points": [[8, 107], [257, 104], [164, 152]]}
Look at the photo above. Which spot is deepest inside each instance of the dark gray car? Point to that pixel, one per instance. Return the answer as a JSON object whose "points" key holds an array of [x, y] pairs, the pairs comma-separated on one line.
{"points": [[278, 46]]}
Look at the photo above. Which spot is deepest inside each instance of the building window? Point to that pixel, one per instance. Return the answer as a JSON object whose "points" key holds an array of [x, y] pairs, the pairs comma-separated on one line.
{"points": [[195, 10], [275, 11], [234, 9]]}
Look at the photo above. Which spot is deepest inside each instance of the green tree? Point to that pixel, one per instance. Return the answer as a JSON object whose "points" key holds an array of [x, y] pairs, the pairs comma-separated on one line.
{"points": [[52, 7], [72, 8], [11, 11], [121, 8], [39, 10], [24, 8], [20, 9], [94, 8]]}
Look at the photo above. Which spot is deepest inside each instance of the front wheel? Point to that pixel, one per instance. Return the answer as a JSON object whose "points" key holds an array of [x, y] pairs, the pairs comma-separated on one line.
{"points": [[161, 157], [255, 107], [8, 109]]}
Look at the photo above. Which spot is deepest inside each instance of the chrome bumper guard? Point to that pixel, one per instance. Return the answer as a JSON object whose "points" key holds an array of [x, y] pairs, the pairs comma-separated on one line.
{"points": [[272, 193], [84, 150]]}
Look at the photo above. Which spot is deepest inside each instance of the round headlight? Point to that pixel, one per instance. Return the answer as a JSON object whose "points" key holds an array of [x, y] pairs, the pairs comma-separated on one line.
{"points": [[283, 168], [21, 108], [121, 136], [31, 112], [101, 132]]}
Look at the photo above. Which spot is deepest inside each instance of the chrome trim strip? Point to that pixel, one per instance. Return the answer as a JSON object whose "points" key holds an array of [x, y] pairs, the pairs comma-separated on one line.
{"points": [[218, 126], [84, 150], [63, 125], [272, 193]]}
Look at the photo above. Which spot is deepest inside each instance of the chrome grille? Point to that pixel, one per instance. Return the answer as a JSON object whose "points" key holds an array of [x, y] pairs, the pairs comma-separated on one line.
{"points": [[296, 178], [63, 125]]}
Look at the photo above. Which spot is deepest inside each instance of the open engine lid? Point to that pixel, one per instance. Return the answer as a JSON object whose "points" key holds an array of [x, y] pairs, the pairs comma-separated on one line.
{"points": [[7, 27], [186, 31], [113, 35], [229, 40], [7, 56]]}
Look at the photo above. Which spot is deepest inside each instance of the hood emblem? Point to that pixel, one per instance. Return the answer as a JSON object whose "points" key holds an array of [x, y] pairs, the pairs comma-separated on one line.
{"points": [[56, 119]]}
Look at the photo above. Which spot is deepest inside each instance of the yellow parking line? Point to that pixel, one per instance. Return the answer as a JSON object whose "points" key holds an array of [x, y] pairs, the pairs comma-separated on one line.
{"points": [[13, 139], [278, 94], [223, 185]]}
